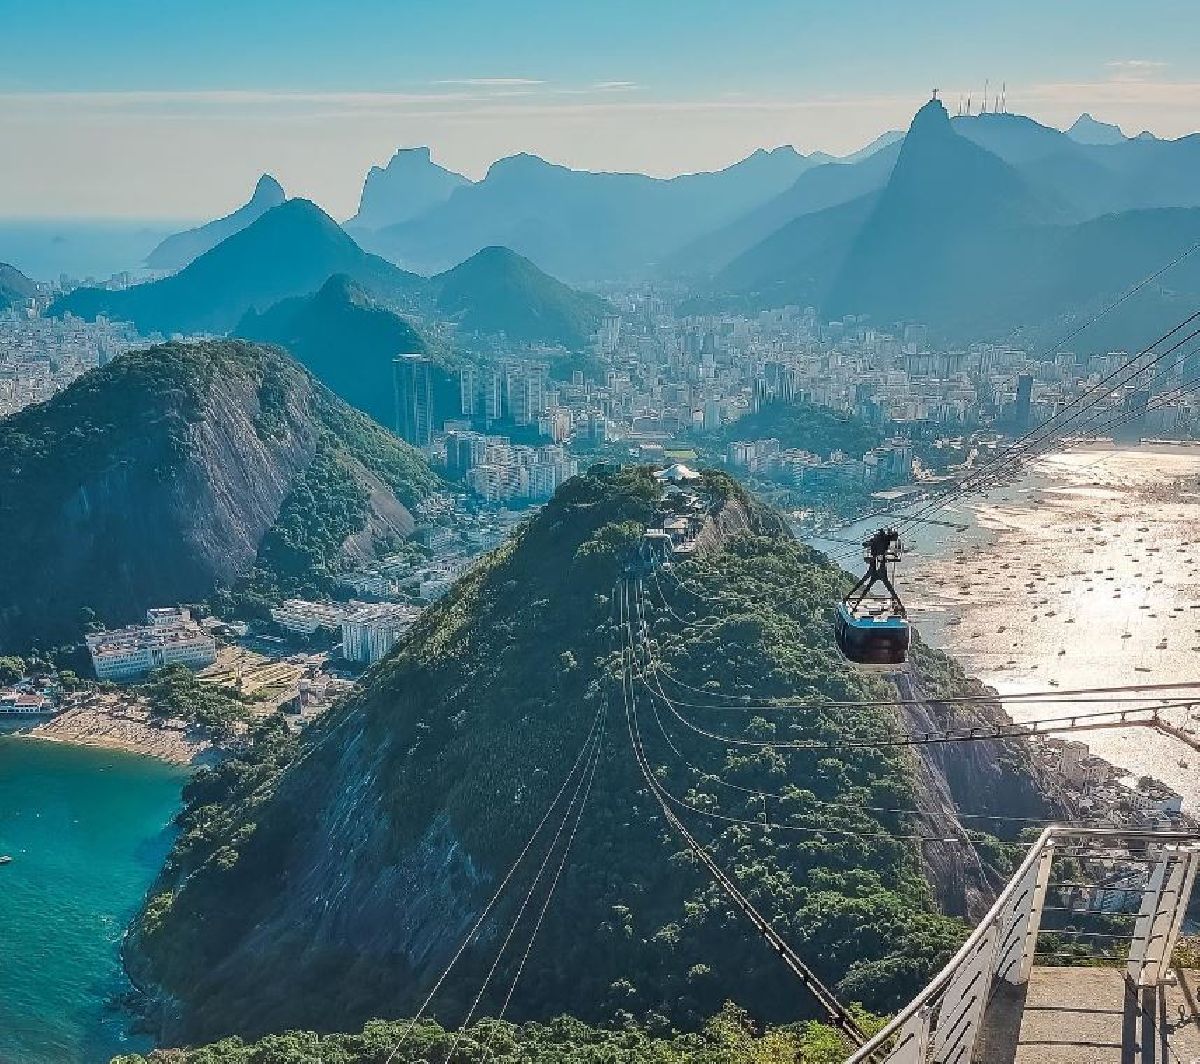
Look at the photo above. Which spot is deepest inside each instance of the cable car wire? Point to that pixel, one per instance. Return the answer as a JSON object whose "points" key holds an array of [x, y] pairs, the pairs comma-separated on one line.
{"points": [[495, 898], [838, 1014]]}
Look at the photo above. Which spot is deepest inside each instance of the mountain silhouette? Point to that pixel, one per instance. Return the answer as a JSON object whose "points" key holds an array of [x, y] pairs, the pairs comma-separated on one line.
{"points": [[822, 187], [1087, 130], [345, 339], [498, 291], [579, 225], [946, 203], [177, 250], [291, 250], [407, 187]]}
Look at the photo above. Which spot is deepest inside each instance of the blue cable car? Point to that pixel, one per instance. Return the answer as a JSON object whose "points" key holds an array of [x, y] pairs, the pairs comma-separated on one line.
{"points": [[874, 632]]}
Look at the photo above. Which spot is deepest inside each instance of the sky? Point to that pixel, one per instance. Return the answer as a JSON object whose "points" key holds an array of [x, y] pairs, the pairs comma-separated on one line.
{"points": [[170, 109]]}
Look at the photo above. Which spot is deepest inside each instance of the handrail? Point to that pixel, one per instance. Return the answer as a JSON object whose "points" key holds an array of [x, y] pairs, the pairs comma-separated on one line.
{"points": [[1047, 838]]}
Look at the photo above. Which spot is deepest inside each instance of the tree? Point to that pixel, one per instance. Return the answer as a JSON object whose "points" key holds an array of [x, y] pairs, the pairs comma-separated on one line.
{"points": [[11, 669]]}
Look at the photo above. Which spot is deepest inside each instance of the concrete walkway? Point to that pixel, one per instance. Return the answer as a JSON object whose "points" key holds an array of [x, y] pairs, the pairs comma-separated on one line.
{"points": [[1091, 1016]]}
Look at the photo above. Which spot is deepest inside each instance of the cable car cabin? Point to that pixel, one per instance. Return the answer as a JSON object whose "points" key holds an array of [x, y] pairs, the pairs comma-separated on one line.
{"points": [[871, 637], [874, 633]]}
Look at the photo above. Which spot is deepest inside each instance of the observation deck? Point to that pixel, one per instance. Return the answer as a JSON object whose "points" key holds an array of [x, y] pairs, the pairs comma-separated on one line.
{"points": [[1073, 964]]}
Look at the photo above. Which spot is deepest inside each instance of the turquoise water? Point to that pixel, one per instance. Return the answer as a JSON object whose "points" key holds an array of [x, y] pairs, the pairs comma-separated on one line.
{"points": [[87, 830]]}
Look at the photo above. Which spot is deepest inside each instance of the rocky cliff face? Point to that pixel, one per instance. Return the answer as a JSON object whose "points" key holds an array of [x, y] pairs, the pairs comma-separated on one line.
{"points": [[154, 480]]}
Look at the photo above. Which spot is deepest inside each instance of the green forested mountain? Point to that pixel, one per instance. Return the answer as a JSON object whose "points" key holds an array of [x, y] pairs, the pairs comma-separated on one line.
{"points": [[361, 852], [291, 250], [498, 291], [343, 338], [170, 471], [15, 287], [181, 248]]}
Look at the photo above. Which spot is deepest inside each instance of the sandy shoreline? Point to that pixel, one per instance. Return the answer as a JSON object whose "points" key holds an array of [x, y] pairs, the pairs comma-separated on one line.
{"points": [[124, 727]]}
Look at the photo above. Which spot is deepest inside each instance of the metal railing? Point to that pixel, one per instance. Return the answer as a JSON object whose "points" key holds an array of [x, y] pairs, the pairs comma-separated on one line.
{"points": [[1141, 878]]}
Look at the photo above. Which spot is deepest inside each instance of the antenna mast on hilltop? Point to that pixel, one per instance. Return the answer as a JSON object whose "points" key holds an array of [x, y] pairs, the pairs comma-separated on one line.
{"points": [[1004, 97]]}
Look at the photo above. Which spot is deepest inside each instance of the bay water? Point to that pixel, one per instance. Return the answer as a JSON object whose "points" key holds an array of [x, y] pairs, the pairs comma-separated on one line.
{"points": [[87, 831]]}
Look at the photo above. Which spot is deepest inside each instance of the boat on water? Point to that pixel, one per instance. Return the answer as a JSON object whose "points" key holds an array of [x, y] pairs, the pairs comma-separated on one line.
{"points": [[5, 859]]}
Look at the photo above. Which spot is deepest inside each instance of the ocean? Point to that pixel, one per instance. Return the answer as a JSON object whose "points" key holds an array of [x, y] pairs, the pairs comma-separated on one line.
{"points": [[45, 248], [1082, 573], [88, 830]]}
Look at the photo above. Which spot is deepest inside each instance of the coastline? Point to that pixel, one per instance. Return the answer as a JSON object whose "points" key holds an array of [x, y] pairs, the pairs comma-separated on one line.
{"points": [[125, 727]]}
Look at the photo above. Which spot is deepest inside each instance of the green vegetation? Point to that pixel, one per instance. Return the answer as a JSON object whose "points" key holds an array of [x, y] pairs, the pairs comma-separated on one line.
{"points": [[402, 468], [498, 291], [15, 287], [299, 552], [344, 339], [11, 669], [175, 692], [156, 479], [804, 426], [219, 807], [727, 1038], [446, 757]]}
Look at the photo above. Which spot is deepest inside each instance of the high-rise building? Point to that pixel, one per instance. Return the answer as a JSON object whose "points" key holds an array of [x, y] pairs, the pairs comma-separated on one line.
{"points": [[414, 399], [1024, 400], [468, 391], [369, 633]]}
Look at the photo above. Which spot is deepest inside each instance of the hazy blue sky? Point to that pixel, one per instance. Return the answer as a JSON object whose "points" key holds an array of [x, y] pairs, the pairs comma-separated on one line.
{"points": [[163, 108]]}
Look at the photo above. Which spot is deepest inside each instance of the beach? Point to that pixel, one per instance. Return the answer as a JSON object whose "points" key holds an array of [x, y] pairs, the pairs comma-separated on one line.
{"points": [[118, 722]]}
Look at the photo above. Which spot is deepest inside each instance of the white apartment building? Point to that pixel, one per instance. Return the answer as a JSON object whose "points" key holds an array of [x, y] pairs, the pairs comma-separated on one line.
{"points": [[304, 617], [169, 637], [369, 633]]}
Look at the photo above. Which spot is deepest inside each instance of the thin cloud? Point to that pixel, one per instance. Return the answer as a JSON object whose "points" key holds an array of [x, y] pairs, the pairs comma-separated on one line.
{"points": [[484, 83], [615, 86], [1134, 69]]}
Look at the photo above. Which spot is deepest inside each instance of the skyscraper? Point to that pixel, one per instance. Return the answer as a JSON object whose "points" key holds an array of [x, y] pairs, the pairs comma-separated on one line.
{"points": [[414, 399], [1024, 400]]}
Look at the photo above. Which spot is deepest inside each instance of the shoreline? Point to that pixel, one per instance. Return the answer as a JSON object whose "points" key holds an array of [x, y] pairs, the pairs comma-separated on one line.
{"points": [[128, 729]]}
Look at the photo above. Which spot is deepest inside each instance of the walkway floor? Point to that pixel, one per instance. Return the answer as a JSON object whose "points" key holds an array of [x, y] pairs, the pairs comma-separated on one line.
{"points": [[1088, 1016]]}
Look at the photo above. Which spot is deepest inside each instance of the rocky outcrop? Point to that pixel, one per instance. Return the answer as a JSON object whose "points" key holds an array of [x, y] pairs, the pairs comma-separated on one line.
{"points": [[154, 480]]}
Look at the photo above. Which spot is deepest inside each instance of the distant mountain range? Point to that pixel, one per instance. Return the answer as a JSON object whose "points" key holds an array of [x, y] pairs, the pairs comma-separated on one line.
{"points": [[936, 223], [983, 224], [580, 225], [15, 288], [294, 249], [1087, 130], [181, 248], [179, 469], [411, 184], [291, 250]]}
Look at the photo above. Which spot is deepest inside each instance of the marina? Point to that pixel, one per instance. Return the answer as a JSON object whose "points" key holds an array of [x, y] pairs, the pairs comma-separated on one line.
{"points": [[1078, 573]]}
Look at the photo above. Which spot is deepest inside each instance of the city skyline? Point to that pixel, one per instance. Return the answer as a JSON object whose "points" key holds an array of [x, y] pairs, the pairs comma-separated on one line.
{"points": [[152, 111]]}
